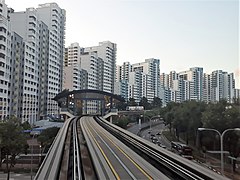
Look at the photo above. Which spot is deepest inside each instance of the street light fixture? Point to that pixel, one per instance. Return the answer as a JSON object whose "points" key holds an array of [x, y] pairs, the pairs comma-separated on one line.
{"points": [[40, 155], [221, 141], [150, 120], [32, 155]]}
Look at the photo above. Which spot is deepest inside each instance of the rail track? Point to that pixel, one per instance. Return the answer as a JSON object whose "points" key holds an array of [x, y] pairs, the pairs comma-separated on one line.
{"points": [[68, 157], [71, 157]]}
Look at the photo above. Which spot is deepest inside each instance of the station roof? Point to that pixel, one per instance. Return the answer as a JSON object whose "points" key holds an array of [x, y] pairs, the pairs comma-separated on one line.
{"points": [[66, 93]]}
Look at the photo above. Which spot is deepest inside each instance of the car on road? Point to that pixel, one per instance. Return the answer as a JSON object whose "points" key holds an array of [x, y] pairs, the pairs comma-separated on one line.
{"points": [[162, 145], [154, 137]]}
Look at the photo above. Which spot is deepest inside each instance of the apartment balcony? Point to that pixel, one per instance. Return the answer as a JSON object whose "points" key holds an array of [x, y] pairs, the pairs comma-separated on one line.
{"points": [[2, 33], [2, 68], [32, 26], [3, 20], [2, 40], [2, 51], [31, 38]]}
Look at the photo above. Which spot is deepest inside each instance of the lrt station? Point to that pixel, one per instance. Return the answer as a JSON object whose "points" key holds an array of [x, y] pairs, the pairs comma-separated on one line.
{"points": [[87, 102]]}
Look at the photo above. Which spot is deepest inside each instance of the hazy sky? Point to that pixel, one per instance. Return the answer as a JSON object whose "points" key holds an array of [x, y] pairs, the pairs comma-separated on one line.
{"points": [[182, 34]]}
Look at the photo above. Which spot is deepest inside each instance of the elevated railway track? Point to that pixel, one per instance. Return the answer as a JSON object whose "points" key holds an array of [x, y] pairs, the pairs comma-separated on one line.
{"points": [[92, 148]]}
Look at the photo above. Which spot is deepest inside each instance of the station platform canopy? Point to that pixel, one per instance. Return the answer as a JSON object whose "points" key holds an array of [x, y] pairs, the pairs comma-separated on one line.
{"points": [[87, 101]]}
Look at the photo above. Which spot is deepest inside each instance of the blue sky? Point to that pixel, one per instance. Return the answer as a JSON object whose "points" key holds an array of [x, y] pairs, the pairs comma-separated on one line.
{"points": [[182, 34]]}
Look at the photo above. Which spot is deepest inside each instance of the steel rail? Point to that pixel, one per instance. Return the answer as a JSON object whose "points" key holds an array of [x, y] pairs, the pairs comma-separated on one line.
{"points": [[77, 159]]}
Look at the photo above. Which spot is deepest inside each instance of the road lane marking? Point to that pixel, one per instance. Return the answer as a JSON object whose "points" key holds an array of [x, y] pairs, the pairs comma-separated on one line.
{"points": [[104, 155], [143, 171], [115, 155]]}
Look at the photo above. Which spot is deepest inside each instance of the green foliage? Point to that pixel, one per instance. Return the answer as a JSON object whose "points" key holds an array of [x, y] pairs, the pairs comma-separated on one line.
{"points": [[12, 141], [221, 116], [121, 105], [131, 102], [26, 125], [187, 117], [157, 102], [47, 136], [122, 122], [144, 102]]}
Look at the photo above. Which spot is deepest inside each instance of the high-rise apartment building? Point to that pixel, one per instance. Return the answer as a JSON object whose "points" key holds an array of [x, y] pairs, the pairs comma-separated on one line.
{"points": [[98, 61], [90, 68], [151, 69], [26, 25], [206, 88], [222, 86], [122, 80], [172, 76], [54, 17], [16, 77], [164, 80], [107, 52], [142, 80], [93, 64], [237, 95], [75, 78], [126, 68], [135, 85], [72, 54], [38, 60], [195, 77], [5, 40]]}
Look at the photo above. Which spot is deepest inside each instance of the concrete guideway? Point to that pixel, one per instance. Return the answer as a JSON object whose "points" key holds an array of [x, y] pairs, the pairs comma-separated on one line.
{"points": [[116, 158]]}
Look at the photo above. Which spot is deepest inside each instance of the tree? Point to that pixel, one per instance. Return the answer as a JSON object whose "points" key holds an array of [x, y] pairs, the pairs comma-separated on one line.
{"points": [[47, 137], [184, 117], [12, 140], [122, 122], [168, 113], [191, 118], [132, 102], [233, 145], [157, 102], [144, 102], [221, 116], [26, 125], [121, 105]]}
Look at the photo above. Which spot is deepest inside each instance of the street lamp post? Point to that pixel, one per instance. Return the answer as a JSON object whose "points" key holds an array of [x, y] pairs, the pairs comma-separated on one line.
{"points": [[221, 141], [150, 120], [40, 155], [32, 156]]}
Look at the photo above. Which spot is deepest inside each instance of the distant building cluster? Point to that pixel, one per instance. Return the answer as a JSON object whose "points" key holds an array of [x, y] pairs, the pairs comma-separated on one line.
{"points": [[143, 80], [85, 69], [35, 66], [194, 84], [138, 80]]}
